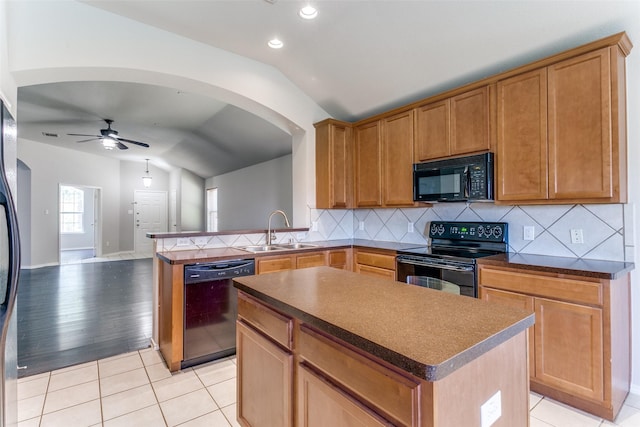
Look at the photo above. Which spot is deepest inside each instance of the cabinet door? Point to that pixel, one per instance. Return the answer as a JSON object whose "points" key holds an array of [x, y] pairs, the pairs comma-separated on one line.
{"points": [[569, 348], [432, 131], [511, 299], [522, 172], [368, 153], [275, 263], [334, 165], [470, 122], [265, 376], [320, 404], [397, 157], [315, 259], [580, 145], [339, 258]]}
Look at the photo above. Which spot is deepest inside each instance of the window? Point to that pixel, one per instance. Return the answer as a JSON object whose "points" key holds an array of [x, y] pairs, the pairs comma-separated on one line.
{"points": [[212, 209], [71, 209]]}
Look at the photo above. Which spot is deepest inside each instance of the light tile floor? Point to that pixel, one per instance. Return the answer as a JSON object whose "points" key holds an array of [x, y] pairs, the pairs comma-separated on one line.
{"points": [[136, 389]]}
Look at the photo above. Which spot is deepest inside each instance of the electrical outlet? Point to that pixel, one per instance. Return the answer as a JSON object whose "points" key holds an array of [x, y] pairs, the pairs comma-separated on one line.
{"points": [[314, 225], [201, 241], [529, 232], [577, 236], [361, 225], [183, 241], [491, 410], [410, 227]]}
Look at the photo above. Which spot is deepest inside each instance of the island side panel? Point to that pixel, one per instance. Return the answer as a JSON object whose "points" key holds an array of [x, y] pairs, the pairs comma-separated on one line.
{"points": [[171, 314], [456, 400]]}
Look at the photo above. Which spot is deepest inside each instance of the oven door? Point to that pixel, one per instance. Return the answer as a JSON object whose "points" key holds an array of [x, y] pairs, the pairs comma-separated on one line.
{"points": [[441, 184], [461, 274]]}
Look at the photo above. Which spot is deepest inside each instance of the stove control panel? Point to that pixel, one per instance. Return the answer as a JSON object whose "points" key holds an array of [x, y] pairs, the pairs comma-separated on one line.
{"points": [[478, 231]]}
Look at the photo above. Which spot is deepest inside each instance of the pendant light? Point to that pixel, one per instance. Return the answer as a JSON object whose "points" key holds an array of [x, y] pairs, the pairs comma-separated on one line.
{"points": [[146, 179]]}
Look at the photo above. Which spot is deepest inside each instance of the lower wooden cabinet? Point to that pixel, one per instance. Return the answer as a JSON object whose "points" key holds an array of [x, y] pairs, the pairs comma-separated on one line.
{"points": [[375, 262], [321, 403], [264, 346], [580, 345], [291, 373], [337, 258]]}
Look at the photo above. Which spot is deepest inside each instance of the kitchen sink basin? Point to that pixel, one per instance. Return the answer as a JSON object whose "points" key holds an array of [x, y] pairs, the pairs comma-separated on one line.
{"points": [[296, 246], [282, 247]]}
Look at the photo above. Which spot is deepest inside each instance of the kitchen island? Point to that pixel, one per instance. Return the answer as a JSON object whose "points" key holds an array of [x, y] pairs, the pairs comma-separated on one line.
{"points": [[321, 346]]}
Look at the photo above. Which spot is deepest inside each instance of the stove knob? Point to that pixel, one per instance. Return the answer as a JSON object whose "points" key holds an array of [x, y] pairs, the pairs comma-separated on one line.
{"points": [[440, 229], [434, 228], [481, 231], [497, 231]]}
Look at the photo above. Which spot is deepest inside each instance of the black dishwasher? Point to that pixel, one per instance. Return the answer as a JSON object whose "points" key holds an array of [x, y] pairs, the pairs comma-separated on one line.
{"points": [[210, 309]]}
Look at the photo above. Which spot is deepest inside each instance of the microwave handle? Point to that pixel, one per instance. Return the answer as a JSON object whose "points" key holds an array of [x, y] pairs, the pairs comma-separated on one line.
{"points": [[467, 182]]}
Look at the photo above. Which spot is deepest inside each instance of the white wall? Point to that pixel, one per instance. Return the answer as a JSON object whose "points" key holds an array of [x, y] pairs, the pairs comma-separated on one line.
{"points": [[247, 196], [51, 166], [57, 41], [192, 205]]}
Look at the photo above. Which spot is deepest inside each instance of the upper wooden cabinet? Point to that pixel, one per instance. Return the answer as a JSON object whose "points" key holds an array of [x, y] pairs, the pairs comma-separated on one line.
{"points": [[561, 134], [368, 160], [334, 165], [453, 126], [397, 159]]}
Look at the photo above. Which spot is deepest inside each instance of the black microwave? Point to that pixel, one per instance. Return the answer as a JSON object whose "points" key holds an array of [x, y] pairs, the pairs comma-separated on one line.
{"points": [[460, 179]]}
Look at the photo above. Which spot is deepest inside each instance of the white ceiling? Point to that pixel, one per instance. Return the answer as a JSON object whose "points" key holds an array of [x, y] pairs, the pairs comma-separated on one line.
{"points": [[356, 59]]}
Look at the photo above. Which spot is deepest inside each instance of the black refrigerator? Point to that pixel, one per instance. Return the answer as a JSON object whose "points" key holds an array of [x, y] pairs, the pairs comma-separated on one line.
{"points": [[9, 270]]}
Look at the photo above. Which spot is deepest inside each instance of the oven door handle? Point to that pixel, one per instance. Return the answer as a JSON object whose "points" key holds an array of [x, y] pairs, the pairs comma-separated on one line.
{"points": [[436, 265]]}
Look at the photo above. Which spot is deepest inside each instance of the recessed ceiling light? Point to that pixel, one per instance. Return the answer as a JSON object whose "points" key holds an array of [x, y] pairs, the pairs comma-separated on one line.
{"points": [[275, 43], [308, 12]]}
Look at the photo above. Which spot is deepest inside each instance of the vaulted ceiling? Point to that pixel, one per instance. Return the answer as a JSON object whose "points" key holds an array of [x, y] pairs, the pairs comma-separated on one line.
{"points": [[357, 58]]}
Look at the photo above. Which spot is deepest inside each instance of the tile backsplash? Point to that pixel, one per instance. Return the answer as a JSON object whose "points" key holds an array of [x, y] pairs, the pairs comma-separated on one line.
{"points": [[607, 229], [603, 226]]}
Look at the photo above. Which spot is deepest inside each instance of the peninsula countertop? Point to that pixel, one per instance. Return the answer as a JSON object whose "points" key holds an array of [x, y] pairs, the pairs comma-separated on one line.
{"points": [[428, 333]]}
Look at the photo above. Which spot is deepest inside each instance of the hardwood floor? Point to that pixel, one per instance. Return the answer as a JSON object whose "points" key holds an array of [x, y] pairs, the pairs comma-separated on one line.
{"points": [[77, 313]]}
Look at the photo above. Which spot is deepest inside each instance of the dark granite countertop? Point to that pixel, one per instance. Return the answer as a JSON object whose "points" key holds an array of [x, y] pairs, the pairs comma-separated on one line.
{"points": [[220, 254], [561, 265], [428, 333]]}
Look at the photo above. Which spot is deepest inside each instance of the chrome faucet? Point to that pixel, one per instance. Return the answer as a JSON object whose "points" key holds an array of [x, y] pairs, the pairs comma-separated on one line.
{"points": [[271, 236]]}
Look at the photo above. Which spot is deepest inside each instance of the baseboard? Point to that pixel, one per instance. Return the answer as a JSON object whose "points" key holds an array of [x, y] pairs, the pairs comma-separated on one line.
{"points": [[30, 267]]}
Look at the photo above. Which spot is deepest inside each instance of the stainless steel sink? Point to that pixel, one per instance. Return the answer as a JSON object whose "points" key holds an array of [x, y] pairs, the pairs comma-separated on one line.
{"points": [[296, 246], [261, 248], [282, 247]]}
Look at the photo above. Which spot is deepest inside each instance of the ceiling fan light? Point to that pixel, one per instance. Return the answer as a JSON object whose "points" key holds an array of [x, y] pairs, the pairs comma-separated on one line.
{"points": [[308, 12], [108, 144], [146, 179]]}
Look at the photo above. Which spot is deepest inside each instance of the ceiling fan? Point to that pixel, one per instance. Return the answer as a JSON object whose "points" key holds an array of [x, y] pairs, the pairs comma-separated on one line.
{"points": [[110, 138]]}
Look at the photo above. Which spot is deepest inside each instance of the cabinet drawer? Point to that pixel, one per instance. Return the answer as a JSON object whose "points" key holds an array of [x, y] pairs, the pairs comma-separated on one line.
{"points": [[376, 260], [277, 263], [275, 325], [395, 395], [315, 259], [580, 291], [375, 271]]}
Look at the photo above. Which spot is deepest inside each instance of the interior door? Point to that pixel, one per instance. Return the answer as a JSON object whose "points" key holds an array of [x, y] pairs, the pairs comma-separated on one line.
{"points": [[151, 214]]}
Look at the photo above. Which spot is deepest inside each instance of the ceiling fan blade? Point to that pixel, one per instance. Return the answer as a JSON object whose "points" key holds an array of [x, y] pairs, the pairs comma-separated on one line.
{"points": [[90, 139], [84, 134], [121, 146], [130, 141]]}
